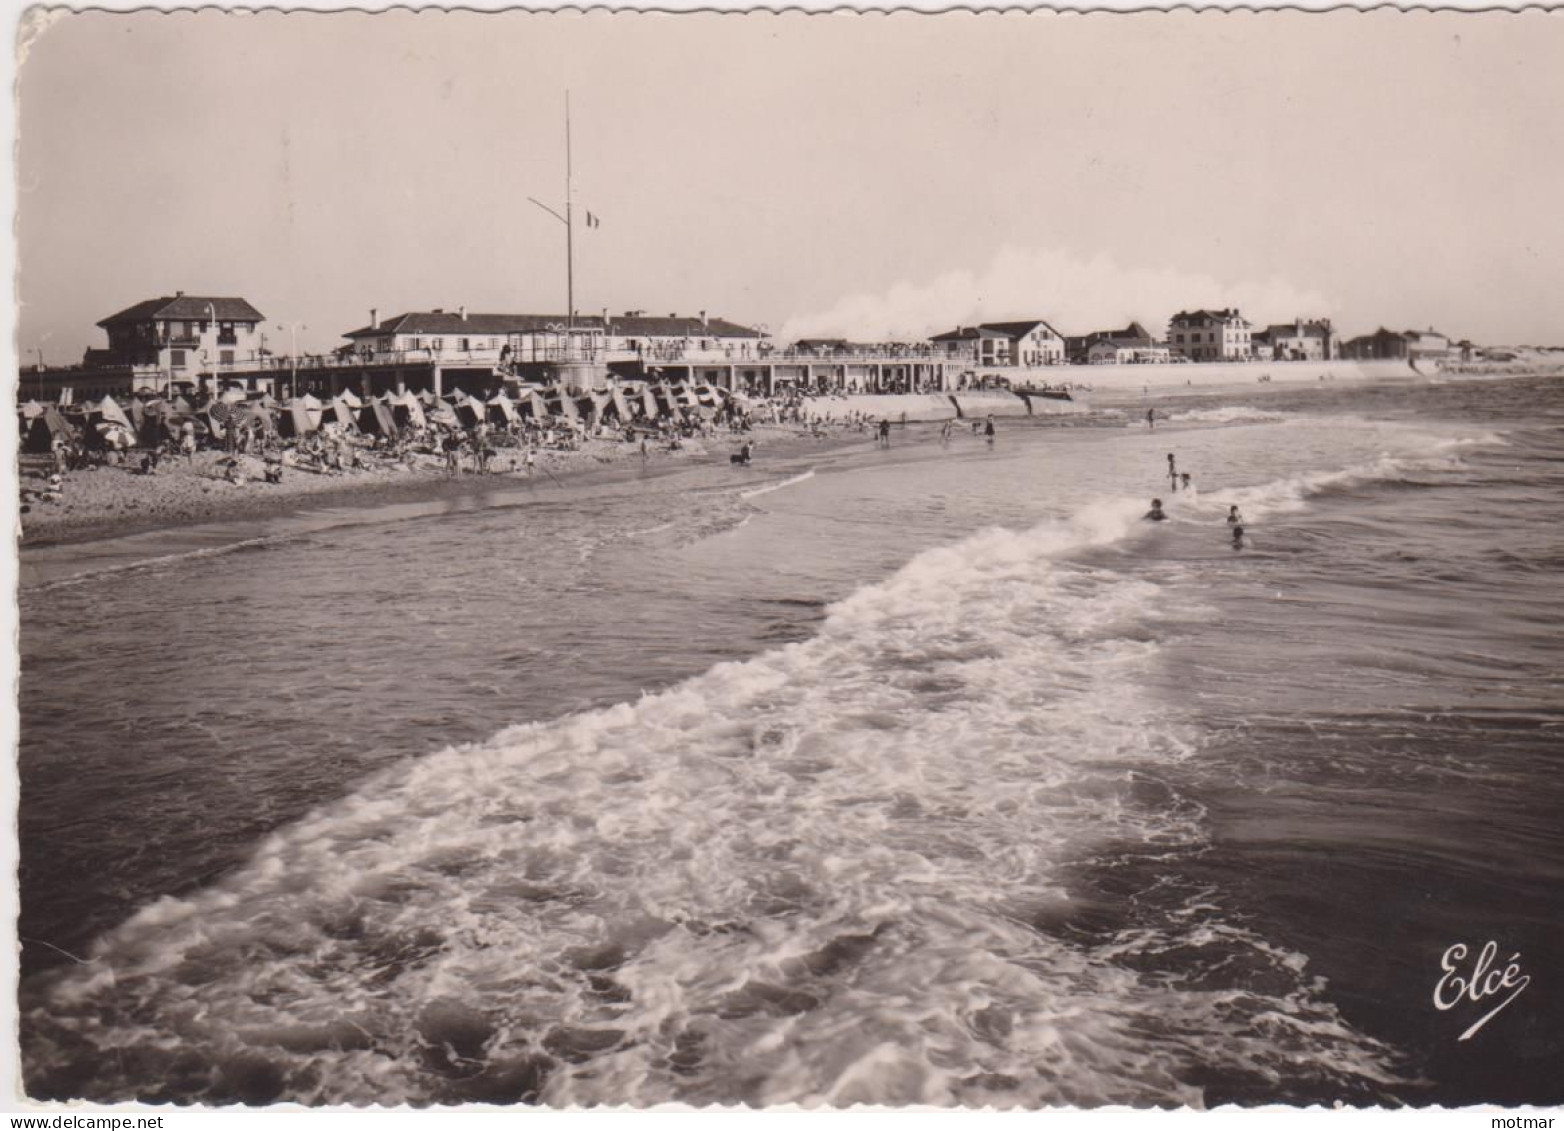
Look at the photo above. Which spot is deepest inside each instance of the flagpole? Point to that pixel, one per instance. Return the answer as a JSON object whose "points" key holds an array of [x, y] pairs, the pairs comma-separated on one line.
{"points": [[570, 249]]}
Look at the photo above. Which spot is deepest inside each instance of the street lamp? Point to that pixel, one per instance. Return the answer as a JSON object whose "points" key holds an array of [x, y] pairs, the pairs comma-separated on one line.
{"points": [[293, 329], [216, 380]]}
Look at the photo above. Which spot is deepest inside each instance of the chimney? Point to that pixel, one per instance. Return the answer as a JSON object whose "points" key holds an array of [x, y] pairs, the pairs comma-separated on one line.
{"points": [[462, 312], [374, 318]]}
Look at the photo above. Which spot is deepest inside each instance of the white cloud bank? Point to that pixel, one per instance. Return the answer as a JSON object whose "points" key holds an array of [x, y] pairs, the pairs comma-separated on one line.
{"points": [[1075, 296]]}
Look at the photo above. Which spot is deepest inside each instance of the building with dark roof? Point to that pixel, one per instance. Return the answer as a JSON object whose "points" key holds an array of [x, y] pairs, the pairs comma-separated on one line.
{"points": [[182, 336], [1210, 335], [1408, 345], [1026, 344]]}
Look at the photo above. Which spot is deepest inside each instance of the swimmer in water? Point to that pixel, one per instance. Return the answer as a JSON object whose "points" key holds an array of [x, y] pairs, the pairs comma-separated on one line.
{"points": [[1234, 518], [1184, 477], [1155, 513]]}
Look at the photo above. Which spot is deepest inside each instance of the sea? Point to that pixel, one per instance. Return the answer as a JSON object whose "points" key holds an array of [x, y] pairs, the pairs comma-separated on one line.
{"points": [[932, 775]]}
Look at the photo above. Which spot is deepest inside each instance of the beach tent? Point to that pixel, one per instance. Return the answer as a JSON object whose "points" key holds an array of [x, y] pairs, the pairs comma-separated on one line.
{"points": [[561, 405], [347, 397], [45, 427], [589, 409], [31, 409], [341, 413], [375, 419], [111, 413], [407, 411], [297, 420], [621, 406], [501, 409], [470, 411], [444, 415], [427, 398], [649, 407]]}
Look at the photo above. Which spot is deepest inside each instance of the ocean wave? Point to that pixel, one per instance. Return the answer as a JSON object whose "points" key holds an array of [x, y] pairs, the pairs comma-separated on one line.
{"points": [[1227, 414], [755, 492], [814, 876]]}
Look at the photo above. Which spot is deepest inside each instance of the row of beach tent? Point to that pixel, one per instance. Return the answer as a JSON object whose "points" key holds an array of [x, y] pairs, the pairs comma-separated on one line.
{"points": [[148, 422]]}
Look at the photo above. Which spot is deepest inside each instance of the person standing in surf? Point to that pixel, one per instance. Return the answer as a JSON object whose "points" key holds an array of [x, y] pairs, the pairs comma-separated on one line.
{"points": [[1155, 514], [1173, 471], [1151, 419], [988, 430]]}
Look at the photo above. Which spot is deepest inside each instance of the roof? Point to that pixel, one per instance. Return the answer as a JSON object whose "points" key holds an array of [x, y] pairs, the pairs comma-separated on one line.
{"points": [[1297, 329], [1134, 332], [968, 333], [452, 322], [1019, 329], [1189, 317], [188, 307]]}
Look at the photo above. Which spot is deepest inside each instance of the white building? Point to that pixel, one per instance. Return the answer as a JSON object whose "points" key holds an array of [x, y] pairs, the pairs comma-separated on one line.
{"points": [[1210, 335]]}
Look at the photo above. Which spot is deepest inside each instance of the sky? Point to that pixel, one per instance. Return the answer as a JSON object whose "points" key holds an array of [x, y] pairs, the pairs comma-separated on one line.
{"points": [[856, 175]]}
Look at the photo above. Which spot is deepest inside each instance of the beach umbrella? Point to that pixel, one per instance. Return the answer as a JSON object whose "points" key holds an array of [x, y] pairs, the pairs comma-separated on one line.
{"points": [[649, 405]]}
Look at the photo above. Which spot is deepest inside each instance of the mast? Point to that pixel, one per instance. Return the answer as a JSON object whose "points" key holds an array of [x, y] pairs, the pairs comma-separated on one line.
{"points": [[570, 250]]}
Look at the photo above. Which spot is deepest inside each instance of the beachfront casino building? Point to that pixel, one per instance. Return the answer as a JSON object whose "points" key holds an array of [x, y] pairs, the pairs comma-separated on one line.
{"points": [[1210, 335]]}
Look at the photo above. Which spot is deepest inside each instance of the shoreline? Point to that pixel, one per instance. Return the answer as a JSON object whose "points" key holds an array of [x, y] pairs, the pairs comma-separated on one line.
{"points": [[108, 502]]}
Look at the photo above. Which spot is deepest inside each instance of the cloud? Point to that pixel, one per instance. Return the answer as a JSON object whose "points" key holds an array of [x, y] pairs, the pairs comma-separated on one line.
{"points": [[1075, 295]]}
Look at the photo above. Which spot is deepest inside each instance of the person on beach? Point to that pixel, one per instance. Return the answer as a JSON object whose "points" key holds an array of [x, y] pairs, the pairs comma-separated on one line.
{"points": [[1155, 513], [1151, 419], [885, 432], [187, 440], [988, 430], [1234, 518], [944, 432]]}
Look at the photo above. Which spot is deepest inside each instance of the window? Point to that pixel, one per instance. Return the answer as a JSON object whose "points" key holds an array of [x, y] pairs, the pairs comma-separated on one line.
{"points": [[176, 359], [415, 343], [225, 357], [437, 344], [464, 344]]}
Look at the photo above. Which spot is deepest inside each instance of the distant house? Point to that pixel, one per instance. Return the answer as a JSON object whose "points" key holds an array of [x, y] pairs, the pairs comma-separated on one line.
{"points": [[181, 336], [1297, 341], [1405, 345], [461, 337], [1131, 345], [1210, 335], [1025, 344]]}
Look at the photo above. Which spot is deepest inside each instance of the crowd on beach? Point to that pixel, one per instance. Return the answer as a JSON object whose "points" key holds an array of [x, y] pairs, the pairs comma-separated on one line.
{"points": [[236, 439]]}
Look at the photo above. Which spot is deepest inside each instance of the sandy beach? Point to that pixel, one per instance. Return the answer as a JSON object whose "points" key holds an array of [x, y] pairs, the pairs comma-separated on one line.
{"points": [[110, 500]]}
